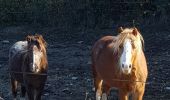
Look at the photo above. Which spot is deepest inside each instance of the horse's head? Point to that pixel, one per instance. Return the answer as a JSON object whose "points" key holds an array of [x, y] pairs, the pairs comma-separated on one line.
{"points": [[36, 51], [128, 44]]}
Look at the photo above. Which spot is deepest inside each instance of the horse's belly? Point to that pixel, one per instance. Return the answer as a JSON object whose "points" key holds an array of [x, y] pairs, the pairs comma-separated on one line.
{"points": [[108, 74], [18, 77]]}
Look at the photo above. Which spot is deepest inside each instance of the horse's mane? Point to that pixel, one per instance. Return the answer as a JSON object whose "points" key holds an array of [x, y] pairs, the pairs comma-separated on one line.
{"points": [[137, 39], [43, 46]]}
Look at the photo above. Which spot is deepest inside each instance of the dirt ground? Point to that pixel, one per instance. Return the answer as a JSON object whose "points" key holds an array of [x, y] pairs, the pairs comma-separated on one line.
{"points": [[69, 74]]}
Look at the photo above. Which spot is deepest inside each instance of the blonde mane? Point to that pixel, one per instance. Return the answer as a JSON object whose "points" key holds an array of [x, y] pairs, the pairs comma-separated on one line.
{"points": [[137, 40]]}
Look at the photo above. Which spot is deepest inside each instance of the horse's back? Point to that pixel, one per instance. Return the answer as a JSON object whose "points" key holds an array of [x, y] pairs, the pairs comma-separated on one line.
{"points": [[17, 47], [100, 45], [102, 52], [16, 53]]}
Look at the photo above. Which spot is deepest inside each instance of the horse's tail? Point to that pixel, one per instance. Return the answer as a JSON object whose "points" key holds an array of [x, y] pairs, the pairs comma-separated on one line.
{"points": [[94, 73], [93, 59], [96, 51], [93, 65]]}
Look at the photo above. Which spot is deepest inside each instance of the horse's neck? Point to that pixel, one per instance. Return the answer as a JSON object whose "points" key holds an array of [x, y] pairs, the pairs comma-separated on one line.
{"points": [[44, 63], [139, 65], [25, 62], [138, 56]]}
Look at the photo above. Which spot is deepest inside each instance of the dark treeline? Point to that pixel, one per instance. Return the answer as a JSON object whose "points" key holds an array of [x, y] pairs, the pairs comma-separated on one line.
{"points": [[81, 13]]}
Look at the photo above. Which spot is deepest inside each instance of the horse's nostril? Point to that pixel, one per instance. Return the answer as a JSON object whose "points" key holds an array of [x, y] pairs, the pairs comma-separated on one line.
{"points": [[130, 66], [123, 65]]}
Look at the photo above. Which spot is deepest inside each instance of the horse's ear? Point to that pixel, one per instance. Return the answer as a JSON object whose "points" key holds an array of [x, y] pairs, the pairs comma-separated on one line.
{"points": [[38, 36], [42, 39], [28, 38], [135, 31], [120, 29]]}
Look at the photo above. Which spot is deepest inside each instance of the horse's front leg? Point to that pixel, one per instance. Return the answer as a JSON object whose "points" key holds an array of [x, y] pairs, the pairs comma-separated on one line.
{"points": [[30, 92], [39, 92], [138, 94], [23, 92], [123, 94]]}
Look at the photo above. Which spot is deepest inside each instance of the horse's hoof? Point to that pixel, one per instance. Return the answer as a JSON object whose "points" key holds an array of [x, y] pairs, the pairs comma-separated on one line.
{"points": [[22, 98], [14, 99], [93, 89], [104, 96]]}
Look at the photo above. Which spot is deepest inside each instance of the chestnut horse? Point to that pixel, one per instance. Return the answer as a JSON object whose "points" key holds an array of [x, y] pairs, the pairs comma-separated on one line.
{"points": [[119, 62], [28, 66]]}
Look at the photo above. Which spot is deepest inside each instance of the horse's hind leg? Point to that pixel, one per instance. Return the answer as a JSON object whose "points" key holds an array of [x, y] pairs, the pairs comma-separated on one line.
{"points": [[138, 94], [106, 90], [98, 87], [97, 83], [123, 94], [14, 84]]}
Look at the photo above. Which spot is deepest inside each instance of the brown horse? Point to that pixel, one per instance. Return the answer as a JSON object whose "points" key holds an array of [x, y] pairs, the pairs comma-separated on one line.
{"points": [[119, 62], [28, 66]]}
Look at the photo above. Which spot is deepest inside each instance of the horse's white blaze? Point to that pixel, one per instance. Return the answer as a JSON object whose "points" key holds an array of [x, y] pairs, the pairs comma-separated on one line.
{"points": [[125, 59], [104, 96], [36, 58]]}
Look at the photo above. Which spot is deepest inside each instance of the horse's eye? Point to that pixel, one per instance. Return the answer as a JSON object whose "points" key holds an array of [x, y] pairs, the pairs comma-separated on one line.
{"points": [[132, 43], [36, 42], [30, 41], [133, 46], [120, 46]]}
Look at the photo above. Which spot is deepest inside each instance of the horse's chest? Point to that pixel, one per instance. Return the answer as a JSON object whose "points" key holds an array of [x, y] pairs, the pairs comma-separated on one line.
{"points": [[35, 80], [114, 80], [130, 86]]}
